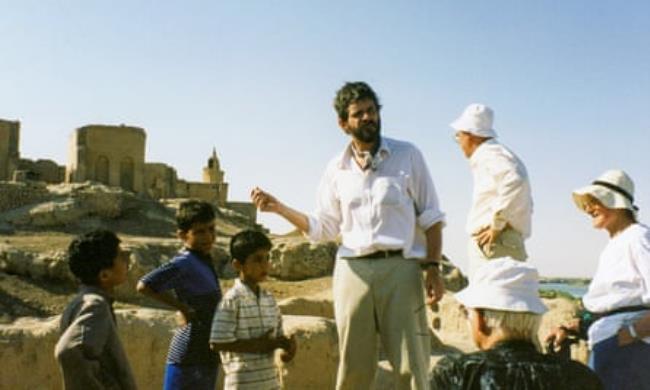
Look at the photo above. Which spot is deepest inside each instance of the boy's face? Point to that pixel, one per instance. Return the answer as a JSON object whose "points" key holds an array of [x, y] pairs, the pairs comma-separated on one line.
{"points": [[256, 267], [118, 273], [199, 237]]}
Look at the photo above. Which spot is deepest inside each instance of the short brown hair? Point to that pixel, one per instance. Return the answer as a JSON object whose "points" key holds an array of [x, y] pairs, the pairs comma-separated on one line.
{"points": [[353, 92]]}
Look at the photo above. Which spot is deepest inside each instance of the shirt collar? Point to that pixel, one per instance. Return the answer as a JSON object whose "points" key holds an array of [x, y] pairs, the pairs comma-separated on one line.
{"points": [[205, 257], [89, 289], [247, 290], [509, 345], [476, 156], [346, 156]]}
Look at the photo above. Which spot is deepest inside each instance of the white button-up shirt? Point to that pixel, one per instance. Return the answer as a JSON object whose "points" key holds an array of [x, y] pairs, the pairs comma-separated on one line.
{"points": [[622, 279], [501, 190], [387, 207]]}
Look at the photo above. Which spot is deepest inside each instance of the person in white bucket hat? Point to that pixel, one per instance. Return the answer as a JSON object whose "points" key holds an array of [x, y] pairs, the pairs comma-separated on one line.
{"points": [[504, 311], [500, 217], [616, 316]]}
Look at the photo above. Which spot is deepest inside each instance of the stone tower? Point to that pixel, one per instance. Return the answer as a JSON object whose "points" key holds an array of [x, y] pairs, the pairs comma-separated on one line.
{"points": [[113, 155], [212, 174], [9, 152]]}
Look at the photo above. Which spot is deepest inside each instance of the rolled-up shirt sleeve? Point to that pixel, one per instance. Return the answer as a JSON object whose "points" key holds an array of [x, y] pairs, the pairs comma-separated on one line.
{"points": [[423, 192], [325, 221]]}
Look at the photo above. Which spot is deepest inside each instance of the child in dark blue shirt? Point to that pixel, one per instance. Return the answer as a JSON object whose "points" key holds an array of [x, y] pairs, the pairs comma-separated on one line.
{"points": [[191, 276]]}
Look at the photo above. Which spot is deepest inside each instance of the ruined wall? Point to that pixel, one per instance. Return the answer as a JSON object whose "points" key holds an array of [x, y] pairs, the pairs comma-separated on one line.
{"points": [[222, 193], [39, 170], [203, 191], [113, 155], [245, 208], [9, 151], [27, 353], [15, 195], [160, 180]]}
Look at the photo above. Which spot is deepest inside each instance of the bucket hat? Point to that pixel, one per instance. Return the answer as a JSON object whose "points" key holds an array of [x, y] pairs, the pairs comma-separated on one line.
{"points": [[476, 119], [614, 189], [504, 284]]}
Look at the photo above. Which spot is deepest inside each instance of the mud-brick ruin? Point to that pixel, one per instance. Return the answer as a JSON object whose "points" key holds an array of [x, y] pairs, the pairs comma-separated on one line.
{"points": [[115, 156]]}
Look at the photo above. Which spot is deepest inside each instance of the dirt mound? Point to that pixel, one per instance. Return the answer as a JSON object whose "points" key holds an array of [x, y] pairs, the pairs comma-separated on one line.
{"points": [[78, 207]]}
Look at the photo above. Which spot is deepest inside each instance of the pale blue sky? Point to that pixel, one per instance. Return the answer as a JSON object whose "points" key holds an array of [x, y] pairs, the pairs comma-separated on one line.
{"points": [[569, 82]]}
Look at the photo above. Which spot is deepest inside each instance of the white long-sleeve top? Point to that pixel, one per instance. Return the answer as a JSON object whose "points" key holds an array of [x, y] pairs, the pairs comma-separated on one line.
{"points": [[389, 207], [622, 279], [502, 191]]}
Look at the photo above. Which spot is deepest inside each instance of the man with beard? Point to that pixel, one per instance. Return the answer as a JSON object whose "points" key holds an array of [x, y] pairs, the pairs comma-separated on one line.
{"points": [[379, 198]]}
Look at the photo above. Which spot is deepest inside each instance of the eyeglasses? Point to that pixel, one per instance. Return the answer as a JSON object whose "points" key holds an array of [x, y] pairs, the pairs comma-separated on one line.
{"points": [[466, 311], [457, 135]]}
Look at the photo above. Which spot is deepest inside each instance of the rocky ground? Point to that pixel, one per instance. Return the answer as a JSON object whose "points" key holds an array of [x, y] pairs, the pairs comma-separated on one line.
{"points": [[21, 296], [26, 292], [37, 222]]}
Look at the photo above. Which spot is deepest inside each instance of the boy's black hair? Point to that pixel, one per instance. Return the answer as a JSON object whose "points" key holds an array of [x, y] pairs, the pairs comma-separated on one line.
{"points": [[193, 211], [353, 92], [92, 252], [247, 242]]}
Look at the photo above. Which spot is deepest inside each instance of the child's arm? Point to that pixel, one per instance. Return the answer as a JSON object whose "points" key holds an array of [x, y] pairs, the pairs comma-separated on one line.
{"points": [[289, 345], [290, 348], [223, 336], [168, 299], [263, 344]]}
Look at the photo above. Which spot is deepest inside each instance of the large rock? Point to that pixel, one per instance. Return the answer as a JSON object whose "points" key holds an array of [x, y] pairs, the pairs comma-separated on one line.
{"points": [[80, 206], [144, 257], [314, 366], [319, 305], [27, 353], [298, 259], [450, 324], [454, 279]]}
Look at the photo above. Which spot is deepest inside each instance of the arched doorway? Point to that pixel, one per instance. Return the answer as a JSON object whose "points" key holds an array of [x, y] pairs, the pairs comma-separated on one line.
{"points": [[127, 168], [101, 170]]}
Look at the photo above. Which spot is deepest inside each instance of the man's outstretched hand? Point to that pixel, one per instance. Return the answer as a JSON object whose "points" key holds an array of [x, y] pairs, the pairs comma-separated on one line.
{"points": [[265, 201]]}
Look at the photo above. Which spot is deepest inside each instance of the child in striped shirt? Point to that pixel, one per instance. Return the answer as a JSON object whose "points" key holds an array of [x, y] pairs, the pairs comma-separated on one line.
{"points": [[247, 326]]}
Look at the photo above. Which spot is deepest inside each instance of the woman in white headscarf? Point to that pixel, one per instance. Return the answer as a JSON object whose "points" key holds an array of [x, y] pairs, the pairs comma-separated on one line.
{"points": [[617, 316]]}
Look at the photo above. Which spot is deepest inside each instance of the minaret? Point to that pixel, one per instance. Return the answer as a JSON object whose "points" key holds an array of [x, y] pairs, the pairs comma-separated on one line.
{"points": [[212, 172]]}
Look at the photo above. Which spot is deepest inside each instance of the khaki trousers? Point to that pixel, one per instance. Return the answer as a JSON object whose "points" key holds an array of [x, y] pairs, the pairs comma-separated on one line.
{"points": [[385, 297], [510, 243]]}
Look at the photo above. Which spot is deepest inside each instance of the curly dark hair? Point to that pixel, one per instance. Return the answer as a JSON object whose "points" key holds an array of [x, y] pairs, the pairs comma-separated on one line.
{"points": [[350, 93], [193, 211], [92, 252], [247, 242]]}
